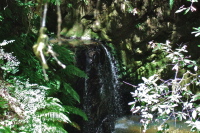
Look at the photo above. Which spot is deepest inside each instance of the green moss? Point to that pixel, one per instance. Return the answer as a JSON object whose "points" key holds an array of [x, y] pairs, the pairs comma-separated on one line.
{"points": [[104, 36]]}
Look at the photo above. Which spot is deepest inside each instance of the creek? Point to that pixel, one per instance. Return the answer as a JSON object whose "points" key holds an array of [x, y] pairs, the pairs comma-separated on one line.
{"points": [[131, 124]]}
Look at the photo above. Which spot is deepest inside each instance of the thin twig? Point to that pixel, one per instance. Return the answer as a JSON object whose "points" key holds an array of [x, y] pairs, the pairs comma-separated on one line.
{"points": [[50, 50], [129, 84], [59, 20]]}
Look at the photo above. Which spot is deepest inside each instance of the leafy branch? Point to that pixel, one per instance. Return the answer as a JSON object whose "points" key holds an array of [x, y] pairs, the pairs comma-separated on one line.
{"points": [[165, 97]]}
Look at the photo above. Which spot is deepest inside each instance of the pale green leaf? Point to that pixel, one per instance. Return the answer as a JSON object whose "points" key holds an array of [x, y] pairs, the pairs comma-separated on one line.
{"points": [[180, 10], [194, 114], [171, 3]]}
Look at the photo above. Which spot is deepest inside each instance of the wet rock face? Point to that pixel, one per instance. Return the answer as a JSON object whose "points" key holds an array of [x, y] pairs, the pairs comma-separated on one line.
{"points": [[100, 91]]}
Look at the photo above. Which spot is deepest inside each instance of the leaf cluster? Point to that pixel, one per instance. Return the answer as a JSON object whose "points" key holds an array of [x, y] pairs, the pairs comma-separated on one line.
{"points": [[158, 99]]}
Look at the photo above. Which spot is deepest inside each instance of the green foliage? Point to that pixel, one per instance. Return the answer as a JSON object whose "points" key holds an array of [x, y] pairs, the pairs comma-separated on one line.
{"points": [[76, 111], [85, 1], [171, 3], [40, 113], [71, 92], [24, 109], [5, 129], [25, 4], [65, 55], [172, 97], [25, 105], [3, 103], [10, 66], [187, 9], [1, 17], [196, 32]]}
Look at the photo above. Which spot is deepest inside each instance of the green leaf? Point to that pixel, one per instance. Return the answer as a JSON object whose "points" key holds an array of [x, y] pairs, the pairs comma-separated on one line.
{"points": [[53, 104], [179, 116], [72, 92], [187, 11], [189, 66], [71, 69], [69, 5], [195, 97], [166, 126], [5, 129], [171, 3], [76, 111], [1, 62]]}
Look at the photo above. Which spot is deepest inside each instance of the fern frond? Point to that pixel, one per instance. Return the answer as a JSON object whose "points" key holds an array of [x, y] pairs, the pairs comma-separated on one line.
{"points": [[71, 92], [5, 42], [74, 124], [53, 128], [53, 104], [76, 111], [71, 69], [53, 116], [64, 55]]}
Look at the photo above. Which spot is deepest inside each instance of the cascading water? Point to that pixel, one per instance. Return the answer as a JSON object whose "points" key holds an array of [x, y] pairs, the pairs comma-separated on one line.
{"points": [[101, 92], [115, 82]]}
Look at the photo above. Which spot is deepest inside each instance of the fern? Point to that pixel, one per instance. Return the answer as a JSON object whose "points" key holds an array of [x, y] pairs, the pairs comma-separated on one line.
{"points": [[53, 128], [37, 110], [74, 124], [71, 69], [76, 111], [54, 116], [54, 103], [5, 42], [64, 55], [71, 92]]}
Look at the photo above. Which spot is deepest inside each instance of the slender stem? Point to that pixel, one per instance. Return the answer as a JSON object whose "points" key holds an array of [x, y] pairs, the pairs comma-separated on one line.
{"points": [[44, 15], [59, 20], [43, 25], [129, 84]]}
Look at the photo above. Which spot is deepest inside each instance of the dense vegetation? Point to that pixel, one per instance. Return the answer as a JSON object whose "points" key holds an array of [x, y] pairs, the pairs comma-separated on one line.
{"points": [[34, 98], [176, 97], [36, 76]]}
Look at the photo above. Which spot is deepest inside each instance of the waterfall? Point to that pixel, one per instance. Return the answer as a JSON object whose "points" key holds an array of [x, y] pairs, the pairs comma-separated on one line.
{"points": [[101, 90], [115, 82]]}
